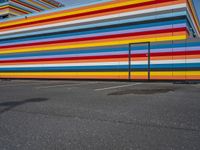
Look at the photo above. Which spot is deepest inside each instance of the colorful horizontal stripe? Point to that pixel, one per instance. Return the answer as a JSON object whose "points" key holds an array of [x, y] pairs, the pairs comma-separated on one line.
{"points": [[137, 40]]}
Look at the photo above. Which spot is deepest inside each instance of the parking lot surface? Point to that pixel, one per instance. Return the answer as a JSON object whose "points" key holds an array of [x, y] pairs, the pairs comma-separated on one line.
{"points": [[98, 115]]}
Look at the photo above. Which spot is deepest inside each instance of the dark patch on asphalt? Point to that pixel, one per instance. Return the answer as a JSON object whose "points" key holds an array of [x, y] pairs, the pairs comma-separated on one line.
{"points": [[186, 82], [6, 106], [143, 91]]}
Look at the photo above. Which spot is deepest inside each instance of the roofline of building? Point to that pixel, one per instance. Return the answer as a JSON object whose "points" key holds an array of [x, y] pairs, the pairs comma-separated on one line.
{"points": [[53, 10]]}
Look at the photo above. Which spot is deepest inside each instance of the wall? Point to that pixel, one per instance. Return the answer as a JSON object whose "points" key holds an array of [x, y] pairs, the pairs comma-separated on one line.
{"points": [[91, 41], [170, 60]]}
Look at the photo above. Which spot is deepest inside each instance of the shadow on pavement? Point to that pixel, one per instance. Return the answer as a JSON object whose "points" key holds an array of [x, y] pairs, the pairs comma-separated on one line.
{"points": [[7, 106]]}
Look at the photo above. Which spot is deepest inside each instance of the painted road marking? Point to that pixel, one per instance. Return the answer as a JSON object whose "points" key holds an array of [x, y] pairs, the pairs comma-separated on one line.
{"points": [[65, 85], [116, 87]]}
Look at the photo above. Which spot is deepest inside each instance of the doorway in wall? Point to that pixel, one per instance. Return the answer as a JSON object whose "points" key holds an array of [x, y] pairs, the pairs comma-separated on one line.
{"points": [[139, 61]]}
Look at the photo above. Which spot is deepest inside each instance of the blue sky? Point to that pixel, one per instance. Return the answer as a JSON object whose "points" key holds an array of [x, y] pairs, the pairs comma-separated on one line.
{"points": [[77, 2], [197, 4]]}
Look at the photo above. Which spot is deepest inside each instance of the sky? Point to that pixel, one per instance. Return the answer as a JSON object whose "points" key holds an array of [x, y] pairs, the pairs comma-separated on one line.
{"points": [[197, 4], [76, 2]]}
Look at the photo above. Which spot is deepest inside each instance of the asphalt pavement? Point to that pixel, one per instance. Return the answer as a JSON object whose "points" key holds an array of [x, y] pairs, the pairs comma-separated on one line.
{"points": [[99, 115]]}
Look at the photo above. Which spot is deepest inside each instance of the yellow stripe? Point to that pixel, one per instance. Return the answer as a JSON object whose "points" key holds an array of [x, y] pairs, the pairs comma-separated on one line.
{"points": [[51, 15], [48, 74], [161, 73], [57, 47], [140, 73], [192, 73], [5, 11]]}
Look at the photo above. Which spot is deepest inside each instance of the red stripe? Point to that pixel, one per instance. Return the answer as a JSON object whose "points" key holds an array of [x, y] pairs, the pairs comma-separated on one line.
{"points": [[89, 13], [4, 7], [66, 58], [96, 38], [168, 54]]}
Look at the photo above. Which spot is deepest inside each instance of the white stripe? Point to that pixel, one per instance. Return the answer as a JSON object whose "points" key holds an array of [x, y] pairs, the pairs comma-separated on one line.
{"points": [[192, 60], [180, 61], [97, 18], [65, 85], [139, 62], [116, 87], [165, 61], [175, 61], [66, 65]]}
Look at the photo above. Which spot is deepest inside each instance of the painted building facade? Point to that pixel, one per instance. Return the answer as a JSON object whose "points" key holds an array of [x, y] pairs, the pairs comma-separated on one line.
{"points": [[119, 39], [12, 8]]}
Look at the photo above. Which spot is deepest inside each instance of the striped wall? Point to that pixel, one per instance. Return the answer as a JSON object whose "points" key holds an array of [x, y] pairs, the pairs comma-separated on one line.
{"points": [[170, 60], [120, 39], [21, 7]]}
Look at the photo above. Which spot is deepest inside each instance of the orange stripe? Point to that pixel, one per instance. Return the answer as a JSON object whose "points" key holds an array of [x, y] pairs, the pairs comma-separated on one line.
{"points": [[193, 77], [161, 78], [105, 77]]}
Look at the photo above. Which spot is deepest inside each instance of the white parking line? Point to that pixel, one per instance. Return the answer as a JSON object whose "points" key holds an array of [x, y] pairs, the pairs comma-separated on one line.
{"points": [[64, 85], [116, 87]]}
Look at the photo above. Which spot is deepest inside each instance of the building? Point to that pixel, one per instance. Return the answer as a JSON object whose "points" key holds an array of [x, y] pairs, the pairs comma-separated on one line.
{"points": [[119, 39], [11, 8]]}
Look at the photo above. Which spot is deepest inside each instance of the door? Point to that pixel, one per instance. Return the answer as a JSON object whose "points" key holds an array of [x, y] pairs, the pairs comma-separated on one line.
{"points": [[139, 61]]}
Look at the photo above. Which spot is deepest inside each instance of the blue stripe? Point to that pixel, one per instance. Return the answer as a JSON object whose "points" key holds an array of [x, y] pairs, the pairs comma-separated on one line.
{"points": [[175, 66]]}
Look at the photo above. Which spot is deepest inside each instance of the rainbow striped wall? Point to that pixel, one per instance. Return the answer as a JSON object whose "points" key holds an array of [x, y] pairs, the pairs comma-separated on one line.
{"points": [[120, 39], [20, 7]]}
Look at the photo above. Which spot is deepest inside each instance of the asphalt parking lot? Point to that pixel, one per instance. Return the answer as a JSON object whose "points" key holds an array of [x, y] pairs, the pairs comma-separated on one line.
{"points": [[98, 115]]}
